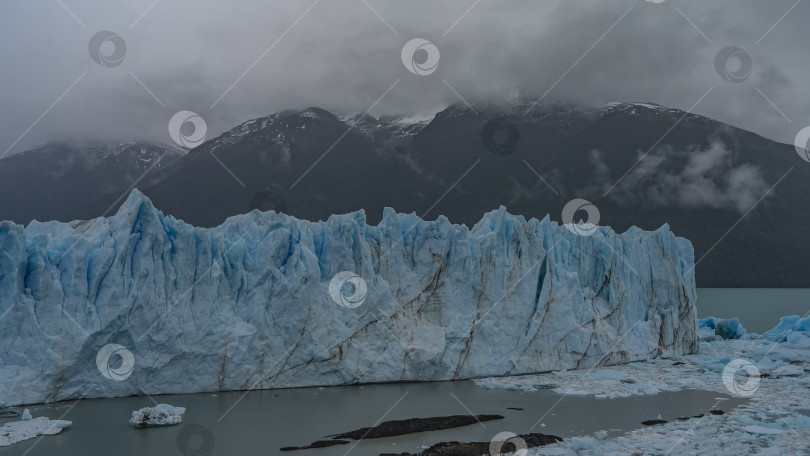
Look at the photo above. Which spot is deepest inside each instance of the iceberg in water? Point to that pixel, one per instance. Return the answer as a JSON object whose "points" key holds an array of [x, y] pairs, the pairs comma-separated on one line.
{"points": [[730, 328], [159, 415], [792, 330], [142, 301]]}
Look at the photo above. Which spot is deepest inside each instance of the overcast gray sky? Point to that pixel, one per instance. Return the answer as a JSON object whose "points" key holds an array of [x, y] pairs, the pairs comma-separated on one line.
{"points": [[230, 61]]}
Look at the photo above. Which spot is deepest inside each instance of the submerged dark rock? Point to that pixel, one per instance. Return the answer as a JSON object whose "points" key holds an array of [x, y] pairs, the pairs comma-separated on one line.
{"points": [[413, 425], [685, 418], [318, 444], [479, 448], [653, 422], [400, 427], [546, 386]]}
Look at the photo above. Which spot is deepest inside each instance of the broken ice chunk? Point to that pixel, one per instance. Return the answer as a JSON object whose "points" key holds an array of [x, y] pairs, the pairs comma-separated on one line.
{"points": [[159, 415]]}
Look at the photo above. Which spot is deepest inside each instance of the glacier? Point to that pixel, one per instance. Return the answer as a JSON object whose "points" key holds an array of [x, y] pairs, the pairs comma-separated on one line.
{"points": [[143, 303]]}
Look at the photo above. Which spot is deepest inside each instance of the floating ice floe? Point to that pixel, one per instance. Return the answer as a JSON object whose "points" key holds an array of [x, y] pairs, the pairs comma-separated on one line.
{"points": [[762, 430], [17, 431], [711, 328], [791, 331], [159, 415], [788, 371]]}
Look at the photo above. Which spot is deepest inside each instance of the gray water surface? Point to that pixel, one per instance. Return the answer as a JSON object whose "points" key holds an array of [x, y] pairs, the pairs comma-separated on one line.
{"points": [[261, 422], [759, 309]]}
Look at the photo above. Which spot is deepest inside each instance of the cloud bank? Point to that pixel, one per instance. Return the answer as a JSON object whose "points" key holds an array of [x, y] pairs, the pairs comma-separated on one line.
{"points": [[230, 62]]}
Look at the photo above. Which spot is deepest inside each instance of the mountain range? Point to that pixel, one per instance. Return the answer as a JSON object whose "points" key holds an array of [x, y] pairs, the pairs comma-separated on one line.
{"points": [[738, 196]]}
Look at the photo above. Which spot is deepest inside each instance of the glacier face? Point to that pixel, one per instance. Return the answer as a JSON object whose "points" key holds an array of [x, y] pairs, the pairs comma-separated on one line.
{"points": [[248, 304]]}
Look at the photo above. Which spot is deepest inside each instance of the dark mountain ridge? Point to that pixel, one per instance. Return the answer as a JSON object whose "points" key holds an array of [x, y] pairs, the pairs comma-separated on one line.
{"points": [[640, 163]]}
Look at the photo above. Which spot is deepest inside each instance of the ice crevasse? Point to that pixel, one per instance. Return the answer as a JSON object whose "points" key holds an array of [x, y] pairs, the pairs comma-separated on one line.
{"points": [[247, 304]]}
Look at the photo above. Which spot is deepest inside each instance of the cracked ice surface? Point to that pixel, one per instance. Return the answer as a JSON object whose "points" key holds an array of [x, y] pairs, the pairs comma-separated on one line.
{"points": [[247, 304]]}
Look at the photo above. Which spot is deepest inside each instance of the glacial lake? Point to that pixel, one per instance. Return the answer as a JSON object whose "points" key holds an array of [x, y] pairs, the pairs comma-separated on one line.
{"points": [[759, 309], [261, 422]]}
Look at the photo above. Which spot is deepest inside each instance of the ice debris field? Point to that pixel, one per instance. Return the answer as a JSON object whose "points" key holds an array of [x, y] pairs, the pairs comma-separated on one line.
{"points": [[774, 421], [29, 427]]}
